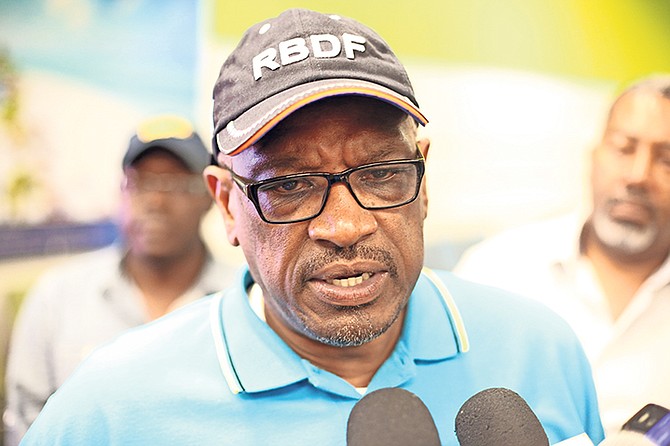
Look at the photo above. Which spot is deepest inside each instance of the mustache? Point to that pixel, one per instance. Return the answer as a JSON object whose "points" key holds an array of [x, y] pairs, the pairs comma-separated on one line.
{"points": [[314, 262], [637, 197]]}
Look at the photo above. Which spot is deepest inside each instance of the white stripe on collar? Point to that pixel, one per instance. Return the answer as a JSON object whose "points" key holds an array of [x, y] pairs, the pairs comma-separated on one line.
{"points": [[458, 325], [221, 351]]}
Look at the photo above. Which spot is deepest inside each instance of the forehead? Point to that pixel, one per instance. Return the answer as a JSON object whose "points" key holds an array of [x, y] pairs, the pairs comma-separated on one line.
{"points": [[354, 129], [642, 114], [158, 158]]}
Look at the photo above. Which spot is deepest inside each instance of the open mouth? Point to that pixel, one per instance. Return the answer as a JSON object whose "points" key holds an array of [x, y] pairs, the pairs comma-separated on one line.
{"points": [[350, 288], [350, 281]]}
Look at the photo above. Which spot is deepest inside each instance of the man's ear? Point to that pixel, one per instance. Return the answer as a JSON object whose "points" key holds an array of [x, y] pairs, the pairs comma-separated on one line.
{"points": [[219, 184], [424, 145]]}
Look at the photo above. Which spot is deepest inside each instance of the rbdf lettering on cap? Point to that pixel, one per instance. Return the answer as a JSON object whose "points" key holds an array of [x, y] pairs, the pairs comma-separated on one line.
{"points": [[322, 46]]}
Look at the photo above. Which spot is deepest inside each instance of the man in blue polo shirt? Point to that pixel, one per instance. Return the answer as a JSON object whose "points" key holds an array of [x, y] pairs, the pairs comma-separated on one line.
{"points": [[318, 175]]}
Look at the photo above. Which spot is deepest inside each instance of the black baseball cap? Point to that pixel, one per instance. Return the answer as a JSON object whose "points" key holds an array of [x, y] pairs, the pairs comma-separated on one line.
{"points": [[296, 58], [172, 133]]}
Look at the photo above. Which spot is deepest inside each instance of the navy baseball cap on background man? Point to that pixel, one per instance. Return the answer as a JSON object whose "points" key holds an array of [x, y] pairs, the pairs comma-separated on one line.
{"points": [[173, 134]]}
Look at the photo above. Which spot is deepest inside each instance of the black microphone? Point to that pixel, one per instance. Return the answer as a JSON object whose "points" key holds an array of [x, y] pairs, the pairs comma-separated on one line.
{"points": [[650, 426], [391, 417], [498, 416]]}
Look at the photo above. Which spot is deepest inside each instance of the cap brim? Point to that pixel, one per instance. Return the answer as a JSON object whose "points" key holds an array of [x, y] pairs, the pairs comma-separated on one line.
{"points": [[248, 128], [189, 150]]}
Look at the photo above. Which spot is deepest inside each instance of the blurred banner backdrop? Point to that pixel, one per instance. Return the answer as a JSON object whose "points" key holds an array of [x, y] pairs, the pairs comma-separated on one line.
{"points": [[75, 78]]}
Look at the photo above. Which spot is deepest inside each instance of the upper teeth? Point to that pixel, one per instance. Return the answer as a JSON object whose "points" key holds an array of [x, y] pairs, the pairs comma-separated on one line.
{"points": [[350, 281]]}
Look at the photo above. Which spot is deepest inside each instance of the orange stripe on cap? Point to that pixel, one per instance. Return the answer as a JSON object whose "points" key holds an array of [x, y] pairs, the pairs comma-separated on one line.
{"points": [[407, 106]]}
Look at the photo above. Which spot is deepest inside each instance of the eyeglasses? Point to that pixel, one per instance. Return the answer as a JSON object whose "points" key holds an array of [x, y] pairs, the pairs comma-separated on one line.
{"points": [[138, 184], [302, 196]]}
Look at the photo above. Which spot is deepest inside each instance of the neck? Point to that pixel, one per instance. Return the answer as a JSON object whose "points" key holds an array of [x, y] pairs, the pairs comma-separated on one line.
{"points": [[163, 280], [620, 276]]}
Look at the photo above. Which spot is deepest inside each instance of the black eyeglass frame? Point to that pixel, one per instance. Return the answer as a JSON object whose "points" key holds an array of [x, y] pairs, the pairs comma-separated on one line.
{"points": [[250, 188]]}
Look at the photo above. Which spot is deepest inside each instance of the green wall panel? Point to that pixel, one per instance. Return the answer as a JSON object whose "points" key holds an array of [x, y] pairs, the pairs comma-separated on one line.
{"points": [[601, 39]]}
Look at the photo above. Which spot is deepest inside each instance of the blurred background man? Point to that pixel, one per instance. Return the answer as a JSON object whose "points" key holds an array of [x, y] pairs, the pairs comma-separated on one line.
{"points": [[608, 275], [160, 263]]}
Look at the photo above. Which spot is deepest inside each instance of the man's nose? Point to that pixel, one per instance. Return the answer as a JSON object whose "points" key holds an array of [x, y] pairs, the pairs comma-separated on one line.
{"points": [[640, 169], [343, 222]]}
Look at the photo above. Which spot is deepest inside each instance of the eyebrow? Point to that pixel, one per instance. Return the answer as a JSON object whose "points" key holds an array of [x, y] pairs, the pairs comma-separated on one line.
{"points": [[620, 137], [297, 164], [272, 165]]}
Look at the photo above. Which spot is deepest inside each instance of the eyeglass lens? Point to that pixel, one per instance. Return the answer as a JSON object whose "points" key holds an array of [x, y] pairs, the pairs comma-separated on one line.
{"points": [[303, 196]]}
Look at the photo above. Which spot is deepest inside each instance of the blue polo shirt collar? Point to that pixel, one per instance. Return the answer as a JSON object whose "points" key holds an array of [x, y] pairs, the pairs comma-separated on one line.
{"points": [[253, 358]]}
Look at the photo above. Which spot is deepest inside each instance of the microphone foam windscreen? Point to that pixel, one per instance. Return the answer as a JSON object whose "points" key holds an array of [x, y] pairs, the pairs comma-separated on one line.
{"points": [[391, 417], [498, 416]]}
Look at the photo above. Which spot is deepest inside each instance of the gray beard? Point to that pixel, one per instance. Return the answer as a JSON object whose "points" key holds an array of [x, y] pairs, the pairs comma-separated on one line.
{"points": [[626, 238]]}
